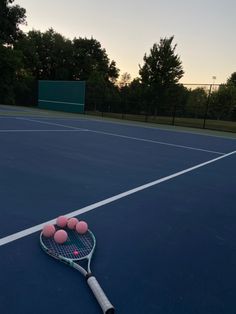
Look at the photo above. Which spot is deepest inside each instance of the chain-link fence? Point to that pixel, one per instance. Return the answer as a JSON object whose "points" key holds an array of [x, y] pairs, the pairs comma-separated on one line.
{"points": [[210, 106]]}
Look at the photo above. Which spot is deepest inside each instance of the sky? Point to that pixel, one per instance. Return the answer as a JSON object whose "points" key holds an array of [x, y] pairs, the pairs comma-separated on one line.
{"points": [[204, 31]]}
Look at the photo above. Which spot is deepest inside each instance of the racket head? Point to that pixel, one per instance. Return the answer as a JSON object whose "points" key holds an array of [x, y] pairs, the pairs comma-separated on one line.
{"points": [[83, 244]]}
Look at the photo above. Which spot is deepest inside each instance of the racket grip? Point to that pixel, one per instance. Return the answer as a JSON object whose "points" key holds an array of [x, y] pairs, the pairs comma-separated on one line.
{"points": [[99, 294]]}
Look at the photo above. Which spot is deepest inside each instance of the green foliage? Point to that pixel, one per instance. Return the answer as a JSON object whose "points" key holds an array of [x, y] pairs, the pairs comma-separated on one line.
{"points": [[162, 67], [89, 57], [10, 60], [10, 67], [113, 72], [50, 56], [101, 94], [11, 16], [196, 103], [136, 97], [47, 56], [161, 70], [232, 79], [124, 80], [223, 102]]}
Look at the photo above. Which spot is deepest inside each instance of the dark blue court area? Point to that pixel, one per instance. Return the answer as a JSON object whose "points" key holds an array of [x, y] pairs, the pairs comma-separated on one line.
{"points": [[166, 241]]}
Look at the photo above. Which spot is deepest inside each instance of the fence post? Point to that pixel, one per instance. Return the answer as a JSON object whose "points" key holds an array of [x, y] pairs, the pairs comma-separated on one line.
{"points": [[147, 111], [207, 106], [173, 115]]}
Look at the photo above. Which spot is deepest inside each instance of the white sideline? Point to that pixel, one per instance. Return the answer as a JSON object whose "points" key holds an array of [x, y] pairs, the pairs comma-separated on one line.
{"points": [[157, 142], [52, 123], [126, 137], [32, 130], [26, 232]]}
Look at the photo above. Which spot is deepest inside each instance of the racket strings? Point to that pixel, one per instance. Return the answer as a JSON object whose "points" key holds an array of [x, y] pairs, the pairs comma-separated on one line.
{"points": [[81, 244]]}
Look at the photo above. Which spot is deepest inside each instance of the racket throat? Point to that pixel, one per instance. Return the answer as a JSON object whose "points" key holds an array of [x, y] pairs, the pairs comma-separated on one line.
{"points": [[88, 275]]}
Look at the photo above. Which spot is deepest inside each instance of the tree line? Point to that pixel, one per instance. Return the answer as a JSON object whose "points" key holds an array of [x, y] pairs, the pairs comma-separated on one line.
{"points": [[28, 57]]}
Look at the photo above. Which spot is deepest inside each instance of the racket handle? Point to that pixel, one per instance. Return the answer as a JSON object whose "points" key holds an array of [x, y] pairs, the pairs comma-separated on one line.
{"points": [[99, 294]]}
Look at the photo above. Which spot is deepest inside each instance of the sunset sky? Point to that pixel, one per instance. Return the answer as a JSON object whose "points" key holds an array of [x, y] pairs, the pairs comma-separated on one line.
{"points": [[204, 30]]}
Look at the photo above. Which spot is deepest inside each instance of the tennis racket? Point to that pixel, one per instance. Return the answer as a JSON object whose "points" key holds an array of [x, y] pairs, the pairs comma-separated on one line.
{"points": [[77, 248]]}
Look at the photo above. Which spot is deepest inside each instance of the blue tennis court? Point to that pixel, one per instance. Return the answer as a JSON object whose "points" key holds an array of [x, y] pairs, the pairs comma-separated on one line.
{"points": [[161, 203]]}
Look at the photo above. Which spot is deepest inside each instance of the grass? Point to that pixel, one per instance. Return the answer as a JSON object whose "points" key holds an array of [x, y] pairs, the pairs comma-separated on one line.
{"points": [[219, 125], [215, 125]]}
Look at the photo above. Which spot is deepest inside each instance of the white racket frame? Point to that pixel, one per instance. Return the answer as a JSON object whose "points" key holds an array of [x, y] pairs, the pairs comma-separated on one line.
{"points": [[98, 292]]}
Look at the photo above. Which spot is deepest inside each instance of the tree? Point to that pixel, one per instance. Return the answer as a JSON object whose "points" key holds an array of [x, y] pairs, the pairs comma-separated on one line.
{"points": [[10, 59], [133, 97], [101, 94], [162, 68], [47, 55], [10, 63], [124, 80], [113, 72], [232, 82], [223, 103], [196, 103], [90, 57], [11, 17], [232, 79]]}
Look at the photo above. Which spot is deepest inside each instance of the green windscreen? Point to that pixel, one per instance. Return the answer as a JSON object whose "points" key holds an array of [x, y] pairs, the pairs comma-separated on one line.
{"points": [[62, 95]]}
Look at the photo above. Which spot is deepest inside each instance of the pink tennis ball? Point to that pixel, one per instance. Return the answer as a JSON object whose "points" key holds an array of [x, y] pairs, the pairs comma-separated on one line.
{"points": [[82, 227], [60, 236], [48, 231], [61, 221], [72, 222]]}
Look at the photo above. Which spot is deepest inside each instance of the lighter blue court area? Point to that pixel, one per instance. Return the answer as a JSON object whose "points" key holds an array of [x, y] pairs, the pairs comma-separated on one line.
{"points": [[160, 202]]}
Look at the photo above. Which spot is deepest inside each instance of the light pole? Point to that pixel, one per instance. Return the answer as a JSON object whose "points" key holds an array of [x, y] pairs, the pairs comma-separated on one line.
{"points": [[214, 79]]}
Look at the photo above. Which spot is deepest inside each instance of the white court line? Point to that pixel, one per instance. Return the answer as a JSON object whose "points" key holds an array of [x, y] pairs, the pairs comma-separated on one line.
{"points": [[145, 125], [127, 137], [26, 232], [173, 128], [141, 124], [52, 123], [13, 131], [157, 142]]}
